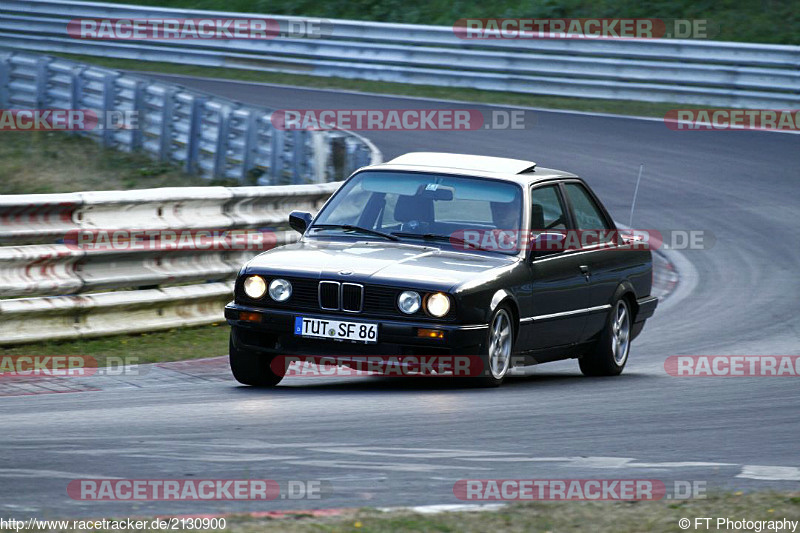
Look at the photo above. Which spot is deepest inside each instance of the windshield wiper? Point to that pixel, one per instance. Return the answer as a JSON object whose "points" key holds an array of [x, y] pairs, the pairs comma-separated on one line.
{"points": [[359, 229], [435, 237]]}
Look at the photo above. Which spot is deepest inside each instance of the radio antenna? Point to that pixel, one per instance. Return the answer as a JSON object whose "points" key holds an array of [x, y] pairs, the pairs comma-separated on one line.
{"points": [[635, 193]]}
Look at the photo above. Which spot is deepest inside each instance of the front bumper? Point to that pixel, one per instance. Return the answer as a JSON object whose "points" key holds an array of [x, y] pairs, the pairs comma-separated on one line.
{"points": [[274, 333]]}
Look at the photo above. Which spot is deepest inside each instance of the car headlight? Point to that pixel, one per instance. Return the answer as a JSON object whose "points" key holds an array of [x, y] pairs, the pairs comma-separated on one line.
{"points": [[255, 286], [438, 304], [280, 290], [409, 302]]}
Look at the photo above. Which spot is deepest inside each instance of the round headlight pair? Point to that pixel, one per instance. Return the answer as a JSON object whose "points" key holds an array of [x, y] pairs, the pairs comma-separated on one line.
{"points": [[437, 304], [279, 289]]}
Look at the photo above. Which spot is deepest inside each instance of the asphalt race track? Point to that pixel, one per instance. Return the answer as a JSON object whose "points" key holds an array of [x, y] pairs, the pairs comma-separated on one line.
{"points": [[396, 442]]}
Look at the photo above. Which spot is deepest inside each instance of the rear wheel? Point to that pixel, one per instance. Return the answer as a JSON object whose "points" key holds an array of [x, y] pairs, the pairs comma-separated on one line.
{"points": [[500, 341], [609, 355], [252, 368]]}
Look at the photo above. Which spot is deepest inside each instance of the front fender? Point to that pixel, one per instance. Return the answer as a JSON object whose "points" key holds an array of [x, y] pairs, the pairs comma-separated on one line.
{"points": [[500, 296]]}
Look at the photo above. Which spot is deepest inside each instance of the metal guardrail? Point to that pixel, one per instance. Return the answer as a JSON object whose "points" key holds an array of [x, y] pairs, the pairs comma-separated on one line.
{"points": [[55, 279], [206, 135], [658, 70], [95, 315], [48, 287]]}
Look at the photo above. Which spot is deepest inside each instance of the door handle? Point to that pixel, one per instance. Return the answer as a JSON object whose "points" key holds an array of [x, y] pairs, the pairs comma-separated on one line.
{"points": [[586, 272]]}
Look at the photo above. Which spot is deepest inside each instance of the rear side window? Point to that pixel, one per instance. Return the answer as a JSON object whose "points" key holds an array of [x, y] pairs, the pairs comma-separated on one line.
{"points": [[546, 209], [588, 215]]}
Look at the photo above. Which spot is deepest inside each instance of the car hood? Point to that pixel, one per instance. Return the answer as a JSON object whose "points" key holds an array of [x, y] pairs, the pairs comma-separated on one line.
{"points": [[389, 263]]}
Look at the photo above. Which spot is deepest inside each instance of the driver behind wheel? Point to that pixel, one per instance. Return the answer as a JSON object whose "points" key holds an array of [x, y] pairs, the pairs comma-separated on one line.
{"points": [[505, 217], [414, 212]]}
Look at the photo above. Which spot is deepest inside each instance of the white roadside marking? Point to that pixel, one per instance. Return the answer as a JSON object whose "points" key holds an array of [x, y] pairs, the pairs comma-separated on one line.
{"points": [[518, 459], [599, 462], [446, 508], [215, 458], [395, 467], [770, 473], [417, 453], [57, 474], [679, 464]]}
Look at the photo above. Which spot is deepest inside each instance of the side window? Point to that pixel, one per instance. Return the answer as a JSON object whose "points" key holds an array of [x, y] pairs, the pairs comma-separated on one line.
{"points": [[587, 215], [546, 209]]}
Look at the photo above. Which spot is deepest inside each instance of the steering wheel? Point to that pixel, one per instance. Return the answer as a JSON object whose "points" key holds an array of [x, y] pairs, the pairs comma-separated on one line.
{"points": [[556, 222]]}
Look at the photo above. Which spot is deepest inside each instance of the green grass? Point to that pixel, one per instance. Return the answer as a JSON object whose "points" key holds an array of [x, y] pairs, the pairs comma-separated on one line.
{"points": [[645, 109], [765, 21], [171, 345], [52, 162], [595, 517]]}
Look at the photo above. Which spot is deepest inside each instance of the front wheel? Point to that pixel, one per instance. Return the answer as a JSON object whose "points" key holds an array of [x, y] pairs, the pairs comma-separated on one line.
{"points": [[251, 368], [609, 355], [499, 343]]}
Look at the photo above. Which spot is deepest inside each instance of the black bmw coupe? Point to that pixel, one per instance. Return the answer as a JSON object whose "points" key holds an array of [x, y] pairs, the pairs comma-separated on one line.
{"points": [[447, 254]]}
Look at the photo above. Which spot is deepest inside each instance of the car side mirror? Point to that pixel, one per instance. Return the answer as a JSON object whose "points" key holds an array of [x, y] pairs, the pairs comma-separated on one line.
{"points": [[299, 221], [547, 242]]}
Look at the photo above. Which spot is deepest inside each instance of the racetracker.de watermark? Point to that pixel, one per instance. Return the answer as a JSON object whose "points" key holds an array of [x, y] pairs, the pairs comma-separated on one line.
{"points": [[67, 120], [584, 28], [179, 240], [197, 489], [576, 489], [384, 365], [69, 366], [124, 29], [402, 119], [732, 119], [47, 365], [733, 365], [551, 240]]}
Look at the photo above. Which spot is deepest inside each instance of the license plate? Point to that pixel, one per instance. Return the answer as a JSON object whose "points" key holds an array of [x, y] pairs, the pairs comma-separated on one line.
{"points": [[335, 329]]}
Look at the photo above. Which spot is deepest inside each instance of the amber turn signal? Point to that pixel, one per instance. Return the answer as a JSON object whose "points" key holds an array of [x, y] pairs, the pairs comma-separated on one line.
{"points": [[249, 317], [430, 333]]}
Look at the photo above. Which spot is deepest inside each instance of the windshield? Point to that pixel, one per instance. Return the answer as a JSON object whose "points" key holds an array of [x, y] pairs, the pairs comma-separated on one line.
{"points": [[421, 205]]}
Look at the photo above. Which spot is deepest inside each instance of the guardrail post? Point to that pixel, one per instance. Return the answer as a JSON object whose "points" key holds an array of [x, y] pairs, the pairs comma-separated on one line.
{"points": [[250, 144], [109, 101], [276, 155], [362, 156], [221, 150], [76, 88], [139, 111], [338, 158], [350, 157], [193, 136], [5, 78], [321, 151], [42, 73], [357, 156], [298, 155], [165, 140]]}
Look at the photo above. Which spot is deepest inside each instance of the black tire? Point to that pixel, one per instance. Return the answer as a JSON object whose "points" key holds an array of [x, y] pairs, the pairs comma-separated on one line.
{"points": [[252, 368], [606, 358], [493, 376]]}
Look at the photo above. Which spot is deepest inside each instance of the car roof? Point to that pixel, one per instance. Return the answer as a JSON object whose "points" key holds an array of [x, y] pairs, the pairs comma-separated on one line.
{"points": [[500, 168]]}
